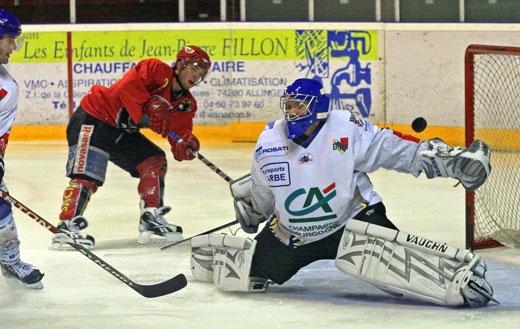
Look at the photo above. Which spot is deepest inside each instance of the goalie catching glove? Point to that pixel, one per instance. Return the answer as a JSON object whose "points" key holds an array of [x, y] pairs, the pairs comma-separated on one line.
{"points": [[158, 111], [246, 215], [470, 166]]}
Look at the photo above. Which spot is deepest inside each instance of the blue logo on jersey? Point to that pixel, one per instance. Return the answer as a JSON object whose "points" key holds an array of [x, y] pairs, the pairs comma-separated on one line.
{"points": [[262, 152], [277, 174]]}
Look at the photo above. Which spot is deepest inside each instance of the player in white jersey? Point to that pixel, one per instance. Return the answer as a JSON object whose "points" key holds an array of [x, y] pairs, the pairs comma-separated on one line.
{"points": [[309, 180], [11, 265]]}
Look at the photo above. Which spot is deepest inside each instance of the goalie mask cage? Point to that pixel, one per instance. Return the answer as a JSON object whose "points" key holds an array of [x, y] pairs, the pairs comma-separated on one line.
{"points": [[492, 106]]}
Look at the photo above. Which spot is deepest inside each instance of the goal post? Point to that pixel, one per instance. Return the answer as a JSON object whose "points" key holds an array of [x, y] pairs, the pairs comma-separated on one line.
{"points": [[492, 114]]}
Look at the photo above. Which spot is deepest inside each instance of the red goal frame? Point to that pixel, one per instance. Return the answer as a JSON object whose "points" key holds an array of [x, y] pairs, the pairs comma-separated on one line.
{"points": [[471, 51]]}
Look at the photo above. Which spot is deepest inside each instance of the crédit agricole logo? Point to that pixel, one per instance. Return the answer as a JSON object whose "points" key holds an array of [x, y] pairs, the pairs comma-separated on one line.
{"points": [[315, 199]]}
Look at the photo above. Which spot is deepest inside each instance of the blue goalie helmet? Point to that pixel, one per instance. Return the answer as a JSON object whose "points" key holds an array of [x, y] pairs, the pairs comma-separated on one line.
{"points": [[9, 24], [303, 104]]}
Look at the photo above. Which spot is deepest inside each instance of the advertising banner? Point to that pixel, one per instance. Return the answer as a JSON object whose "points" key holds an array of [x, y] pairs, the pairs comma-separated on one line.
{"points": [[250, 69]]}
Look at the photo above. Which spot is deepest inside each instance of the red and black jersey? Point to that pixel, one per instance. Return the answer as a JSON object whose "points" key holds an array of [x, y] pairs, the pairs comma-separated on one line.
{"points": [[149, 77]]}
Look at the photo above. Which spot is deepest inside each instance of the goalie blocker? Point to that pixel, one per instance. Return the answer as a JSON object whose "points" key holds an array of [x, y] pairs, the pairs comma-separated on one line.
{"points": [[410, 266], [246, 215], [399, 263]]}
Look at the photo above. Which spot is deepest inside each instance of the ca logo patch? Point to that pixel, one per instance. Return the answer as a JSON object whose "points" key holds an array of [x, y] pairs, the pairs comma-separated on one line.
{"points": [[315, 199]]}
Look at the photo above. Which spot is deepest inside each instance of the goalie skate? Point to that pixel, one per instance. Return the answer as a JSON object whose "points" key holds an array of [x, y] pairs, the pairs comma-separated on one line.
{"points": [[70, 230], [153, 222], [23, 273]]}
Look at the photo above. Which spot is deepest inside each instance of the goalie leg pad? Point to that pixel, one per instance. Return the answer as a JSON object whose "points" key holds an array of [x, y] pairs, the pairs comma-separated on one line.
{"points": [[231, 262], [201, 258], [406, 265]]}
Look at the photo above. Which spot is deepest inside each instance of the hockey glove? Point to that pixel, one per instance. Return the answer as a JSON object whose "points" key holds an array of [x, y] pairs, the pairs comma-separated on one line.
{"points": [[158, 111], [248, 218], [470, 166], [187, 149]]}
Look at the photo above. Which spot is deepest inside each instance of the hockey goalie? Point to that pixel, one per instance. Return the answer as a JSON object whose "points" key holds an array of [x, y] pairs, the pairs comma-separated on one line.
{"points": [[309, 181]]}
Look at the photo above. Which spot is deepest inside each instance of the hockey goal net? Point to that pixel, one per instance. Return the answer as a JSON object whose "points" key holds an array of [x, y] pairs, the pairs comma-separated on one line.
{"points": [[492, 105]]}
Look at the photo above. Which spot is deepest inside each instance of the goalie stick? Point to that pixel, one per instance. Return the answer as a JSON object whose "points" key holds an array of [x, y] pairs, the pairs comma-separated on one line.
{"points": [[206, 232], [149, 291]]}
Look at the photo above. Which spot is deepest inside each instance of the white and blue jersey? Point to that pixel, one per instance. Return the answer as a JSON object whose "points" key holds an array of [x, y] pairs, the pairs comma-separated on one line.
{"points": [[8, 100], [313, 191]]}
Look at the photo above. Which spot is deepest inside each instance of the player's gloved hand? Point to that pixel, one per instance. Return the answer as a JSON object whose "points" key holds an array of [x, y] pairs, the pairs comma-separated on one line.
{"points": [[246, 215], [470, 166], [158, 110], [248, 218], [187, 149]]}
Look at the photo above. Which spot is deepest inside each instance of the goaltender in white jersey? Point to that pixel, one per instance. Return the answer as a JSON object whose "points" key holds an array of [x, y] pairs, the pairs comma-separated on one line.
{"points": [[13, 269], [309, 180], [317, 188]]}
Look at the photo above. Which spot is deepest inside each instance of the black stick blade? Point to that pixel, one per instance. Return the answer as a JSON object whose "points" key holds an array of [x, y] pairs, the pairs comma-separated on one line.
{"points": [[160, 289]]}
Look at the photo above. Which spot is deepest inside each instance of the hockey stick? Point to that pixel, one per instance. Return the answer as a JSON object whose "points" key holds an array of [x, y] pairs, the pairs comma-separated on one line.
{"points": [[206, 232], [202, 158], [219, 172], [149, 291]]}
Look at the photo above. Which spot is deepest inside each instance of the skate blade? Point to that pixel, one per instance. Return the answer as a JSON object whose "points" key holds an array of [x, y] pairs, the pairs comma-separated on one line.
{"points": [[15, 283], [35, 285], [146, 237], [60, 243]]}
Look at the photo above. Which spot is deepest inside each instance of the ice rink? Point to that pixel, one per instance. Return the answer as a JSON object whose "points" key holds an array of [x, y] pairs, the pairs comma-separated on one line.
{"points": [[79, 294]]}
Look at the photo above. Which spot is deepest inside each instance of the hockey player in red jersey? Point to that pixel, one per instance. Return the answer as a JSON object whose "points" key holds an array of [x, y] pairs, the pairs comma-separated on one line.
{"points": [[12, 267], [106, 127]]}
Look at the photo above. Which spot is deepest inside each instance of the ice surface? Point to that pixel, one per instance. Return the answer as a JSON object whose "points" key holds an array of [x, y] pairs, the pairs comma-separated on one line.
{"points": [[79, 294]]}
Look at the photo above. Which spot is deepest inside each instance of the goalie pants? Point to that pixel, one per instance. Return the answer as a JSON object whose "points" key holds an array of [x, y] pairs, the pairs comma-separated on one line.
{"points": [[278, 262], [126, 149]]}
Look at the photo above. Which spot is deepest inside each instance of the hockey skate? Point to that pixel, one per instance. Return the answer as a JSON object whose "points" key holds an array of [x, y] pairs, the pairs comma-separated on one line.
{"points": [[70, 229], [153, 222], [23, 273]]}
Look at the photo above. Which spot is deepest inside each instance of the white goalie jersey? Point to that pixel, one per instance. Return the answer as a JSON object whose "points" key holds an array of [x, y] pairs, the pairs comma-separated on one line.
{"points": [[314, 190]]}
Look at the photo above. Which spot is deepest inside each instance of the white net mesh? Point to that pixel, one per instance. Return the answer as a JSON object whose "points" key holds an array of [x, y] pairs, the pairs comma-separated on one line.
{"points": [[497, 122]]}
